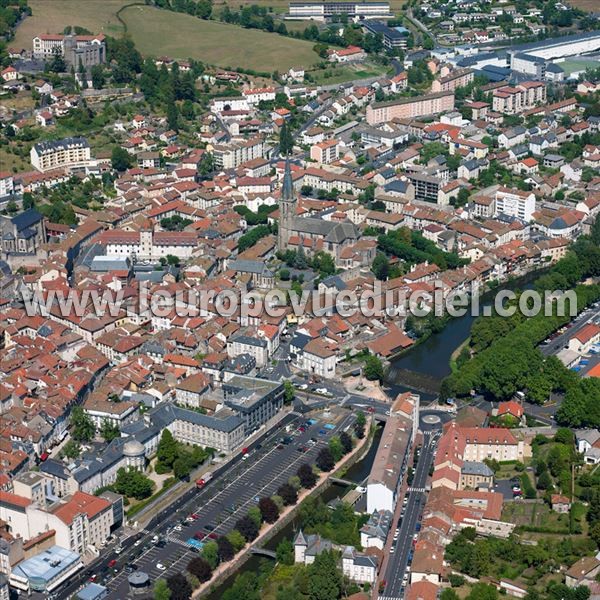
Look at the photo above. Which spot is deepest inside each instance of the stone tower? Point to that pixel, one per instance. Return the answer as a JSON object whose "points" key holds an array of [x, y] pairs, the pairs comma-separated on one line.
{"points": [[287, 209]]}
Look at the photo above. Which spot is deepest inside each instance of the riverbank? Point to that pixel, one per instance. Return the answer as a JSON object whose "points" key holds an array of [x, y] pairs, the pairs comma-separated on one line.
{"points": [[227, 570], [431, 357]]}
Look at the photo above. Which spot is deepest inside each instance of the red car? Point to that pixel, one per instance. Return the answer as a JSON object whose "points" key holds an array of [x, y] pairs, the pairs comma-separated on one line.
{"points": [[244, 451], [112, 563]]}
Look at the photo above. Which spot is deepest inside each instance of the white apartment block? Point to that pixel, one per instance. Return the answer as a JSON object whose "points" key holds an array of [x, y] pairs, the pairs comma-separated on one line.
{"points": [[65, 153], [232, 155], [321, 11], [515, 203], [219, 105], [254, 96], [255, 347], [149, 245], [7, 185], [514, 100], [325, 152]]}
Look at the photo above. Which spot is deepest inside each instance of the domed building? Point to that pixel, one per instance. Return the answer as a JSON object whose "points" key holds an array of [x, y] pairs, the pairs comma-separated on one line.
{"points": [[135, 454]]}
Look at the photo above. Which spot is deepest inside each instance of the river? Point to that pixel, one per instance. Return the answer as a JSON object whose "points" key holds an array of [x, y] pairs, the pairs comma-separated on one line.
{"points": [[357, 472], [431, 358]]}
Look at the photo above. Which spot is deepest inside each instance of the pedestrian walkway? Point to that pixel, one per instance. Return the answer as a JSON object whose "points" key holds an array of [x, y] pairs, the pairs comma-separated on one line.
{"points": [[415, 489]]}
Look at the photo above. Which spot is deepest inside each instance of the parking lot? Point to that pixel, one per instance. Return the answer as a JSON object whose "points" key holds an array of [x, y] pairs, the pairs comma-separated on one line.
{"points": [[224, 500]]}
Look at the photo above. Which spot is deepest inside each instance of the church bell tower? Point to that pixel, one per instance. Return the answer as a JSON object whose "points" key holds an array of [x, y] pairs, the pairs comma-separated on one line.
{"points": [[287, 209]]}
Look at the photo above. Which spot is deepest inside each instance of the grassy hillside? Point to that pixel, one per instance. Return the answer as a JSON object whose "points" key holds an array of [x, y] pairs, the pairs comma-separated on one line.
{"points": [[52, 16], [158, 32]]}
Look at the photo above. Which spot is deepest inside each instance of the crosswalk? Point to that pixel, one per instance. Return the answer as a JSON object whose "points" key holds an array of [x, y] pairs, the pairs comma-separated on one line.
{"points": [[416, 489], [172, 537], [389, 598]]}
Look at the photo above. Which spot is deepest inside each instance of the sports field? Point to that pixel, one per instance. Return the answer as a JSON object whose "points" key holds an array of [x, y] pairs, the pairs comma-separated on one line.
{"points": [[158, 32]]}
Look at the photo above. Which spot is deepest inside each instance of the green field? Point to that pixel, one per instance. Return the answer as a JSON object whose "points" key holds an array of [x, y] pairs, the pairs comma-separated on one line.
{"points": [[52, 16], [574, 65], [158, 32], [338, 74]]}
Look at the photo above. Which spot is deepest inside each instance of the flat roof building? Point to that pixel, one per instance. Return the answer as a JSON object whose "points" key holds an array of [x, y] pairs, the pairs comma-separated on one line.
{"points": [[45, 571]]}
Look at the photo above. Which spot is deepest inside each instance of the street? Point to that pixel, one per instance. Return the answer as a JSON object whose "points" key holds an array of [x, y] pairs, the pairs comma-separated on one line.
{"points": [[417, 496]]}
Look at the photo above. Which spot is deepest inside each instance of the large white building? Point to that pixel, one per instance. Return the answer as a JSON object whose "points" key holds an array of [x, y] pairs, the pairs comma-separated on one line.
{"points": [[79, 521], [233, 154], [65, 153], [515, 203], [321, 11], [560, 47], [87, 49], [148, 244]]}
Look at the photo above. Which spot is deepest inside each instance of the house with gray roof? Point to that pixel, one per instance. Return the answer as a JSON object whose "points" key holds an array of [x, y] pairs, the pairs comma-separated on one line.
{"points": [[474, 474]]}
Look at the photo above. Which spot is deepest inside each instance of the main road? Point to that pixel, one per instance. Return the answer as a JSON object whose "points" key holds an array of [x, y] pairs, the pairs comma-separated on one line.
{"points": [[417, 495]]}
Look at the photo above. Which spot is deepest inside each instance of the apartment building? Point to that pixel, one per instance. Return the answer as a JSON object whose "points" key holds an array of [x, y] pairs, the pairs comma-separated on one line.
{"points": [[324, 152], [65, 153], [232, 155], [410, 108], [79, 521], [116, 413], [322, 11], [452, 81], [253, 400], [7, 185], [149, 245], [88, 50], [254, 346], [515, 203], [513, 100]]}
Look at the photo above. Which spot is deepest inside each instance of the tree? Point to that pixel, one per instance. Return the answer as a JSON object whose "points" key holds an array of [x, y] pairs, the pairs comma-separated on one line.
{"points": [[210, 553], [373, 369], [324, 579], [247, 527], [285, 552], [109, 431], [167, 450], [288, 494], [133, 484], [359, 426], [307, 476], [268, 510], [288, 391], [71, 449], [544, 481], [236, 539], [255, 514], [121, 160], [483, 591], [180, 587], [172, 116], [336, 448], [286, 140], [225, 549], [325, 460], [161, 590], [449, 594], [381, 267], [82, 426], [199, 567], [98, 77], [346, 442]]}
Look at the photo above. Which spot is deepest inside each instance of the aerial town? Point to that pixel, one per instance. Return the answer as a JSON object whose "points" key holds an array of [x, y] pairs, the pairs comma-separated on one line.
{"points": [[299, 300]]}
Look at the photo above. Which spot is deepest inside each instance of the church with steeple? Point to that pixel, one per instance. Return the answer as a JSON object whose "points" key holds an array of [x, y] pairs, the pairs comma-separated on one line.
{"points": [[312, 234]]}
